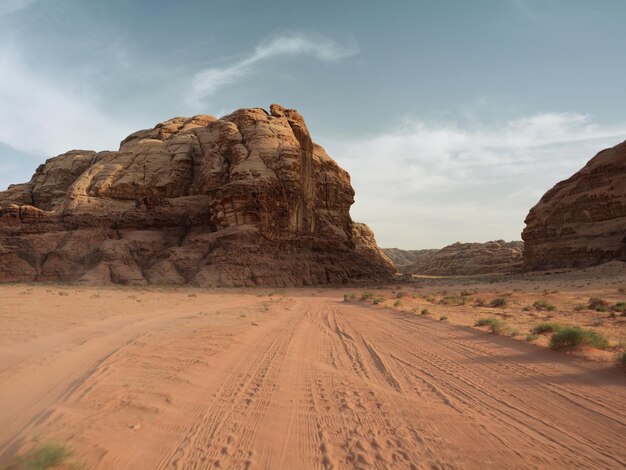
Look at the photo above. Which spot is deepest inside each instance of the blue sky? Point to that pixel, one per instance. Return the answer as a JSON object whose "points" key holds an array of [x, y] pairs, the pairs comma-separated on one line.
{"points": [[453, 117]]}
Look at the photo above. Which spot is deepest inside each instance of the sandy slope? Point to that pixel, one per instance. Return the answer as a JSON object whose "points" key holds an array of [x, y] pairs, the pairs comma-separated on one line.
{"points": [[185, 379]]}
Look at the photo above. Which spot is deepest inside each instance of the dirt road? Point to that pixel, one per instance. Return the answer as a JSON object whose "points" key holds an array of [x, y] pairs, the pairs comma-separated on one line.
{"points": [[300, 380]]}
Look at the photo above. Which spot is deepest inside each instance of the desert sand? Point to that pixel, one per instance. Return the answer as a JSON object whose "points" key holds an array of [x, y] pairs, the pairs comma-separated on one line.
{"points": [[185, 378]]}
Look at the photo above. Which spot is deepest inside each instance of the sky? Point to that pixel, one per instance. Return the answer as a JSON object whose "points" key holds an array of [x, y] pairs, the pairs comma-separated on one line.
{"points": [[452, 117]]}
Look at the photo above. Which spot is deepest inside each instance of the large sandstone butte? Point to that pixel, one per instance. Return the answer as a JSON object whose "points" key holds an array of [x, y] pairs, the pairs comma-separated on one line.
{"points": [[582, 220], [245, 200], [461, 259]]}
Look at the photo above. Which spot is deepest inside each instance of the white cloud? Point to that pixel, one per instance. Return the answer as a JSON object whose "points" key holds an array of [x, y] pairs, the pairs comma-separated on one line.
{"points": [[427, 184], [208, 81], [46, 117], [11, 6]]}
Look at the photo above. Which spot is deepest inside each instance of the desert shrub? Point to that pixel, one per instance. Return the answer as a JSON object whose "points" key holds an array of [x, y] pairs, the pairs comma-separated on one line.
{"points": [[47, 456], [479, 303], [397, 303], [580, 307], [543, 305], [513, 332], [570, 337], [425, 311], [531, 337], [349, 297], [495, 325], [443, 318], [366, 295], [621, 359], [598, 304], [527, 308], [401, 294], [548, 327], [430, 299], [619, 307], [452, 300], [498, 302], [465, 293], [486, 321], [378, 300]]}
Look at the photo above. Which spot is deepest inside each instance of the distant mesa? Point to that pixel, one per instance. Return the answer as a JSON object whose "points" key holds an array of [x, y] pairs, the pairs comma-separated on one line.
{"points": [[460, 259], [581, 221], [245, 200], [400, 257]]}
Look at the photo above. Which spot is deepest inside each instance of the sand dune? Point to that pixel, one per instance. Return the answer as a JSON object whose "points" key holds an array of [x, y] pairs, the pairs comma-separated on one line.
{"points": [[190, 379]]}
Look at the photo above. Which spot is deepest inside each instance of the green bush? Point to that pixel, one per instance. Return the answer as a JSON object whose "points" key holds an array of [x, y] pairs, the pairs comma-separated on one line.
{"points": [[543, 305], [496, 326], [598, 304], [619, 307], [443, 318], [397, 303], [378, 300], [580, 307], [47, 456], [546, 328], [498, 302], [570, 337], [531, 337], [366, 295], [348, 297], [425, 311], [452, 300]]}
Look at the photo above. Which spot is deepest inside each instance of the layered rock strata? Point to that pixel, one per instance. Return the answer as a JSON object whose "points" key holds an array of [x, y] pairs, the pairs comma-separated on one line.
{"points": [[582, 220], [464, 259], [245, 200]]}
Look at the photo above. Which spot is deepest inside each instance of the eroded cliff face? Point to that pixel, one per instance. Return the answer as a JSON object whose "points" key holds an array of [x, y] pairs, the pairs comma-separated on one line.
{"points": [[248, 199], [582, 220], [464, 259]]}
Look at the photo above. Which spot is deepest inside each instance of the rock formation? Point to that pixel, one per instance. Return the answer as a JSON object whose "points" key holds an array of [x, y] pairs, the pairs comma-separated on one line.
{"points": [[581, 221], [463, 259], [245, 200], [400, 257]]}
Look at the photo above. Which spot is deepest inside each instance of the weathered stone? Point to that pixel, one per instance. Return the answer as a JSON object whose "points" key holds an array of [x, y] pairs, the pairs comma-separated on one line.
{"points": [[462, 259], [244, 200], [581, 221]]}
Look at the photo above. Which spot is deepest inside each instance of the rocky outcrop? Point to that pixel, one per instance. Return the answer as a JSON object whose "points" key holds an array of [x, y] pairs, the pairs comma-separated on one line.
{"points": [[400, 257], [245, 200], [463, 259], [581, 221]]}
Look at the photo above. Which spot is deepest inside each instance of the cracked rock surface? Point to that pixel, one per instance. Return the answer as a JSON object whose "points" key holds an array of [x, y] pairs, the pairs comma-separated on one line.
{"points": [[582, 220], [245, 200]]}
